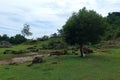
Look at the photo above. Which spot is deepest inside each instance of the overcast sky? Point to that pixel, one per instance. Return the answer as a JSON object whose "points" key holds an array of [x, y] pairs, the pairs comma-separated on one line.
{"points": [[46, 16]]}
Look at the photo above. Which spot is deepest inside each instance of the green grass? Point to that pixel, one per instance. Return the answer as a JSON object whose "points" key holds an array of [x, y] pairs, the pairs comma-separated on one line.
{"points": [[15, 47], [98, 66]]}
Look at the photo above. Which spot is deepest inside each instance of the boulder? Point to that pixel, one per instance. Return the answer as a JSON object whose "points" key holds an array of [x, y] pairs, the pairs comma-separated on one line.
{"points": [[36, 60], [87, 50], [5, 44]]}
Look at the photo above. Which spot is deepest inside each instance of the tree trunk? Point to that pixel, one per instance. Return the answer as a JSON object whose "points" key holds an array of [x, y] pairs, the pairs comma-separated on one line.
{"points": [[81, 50]]}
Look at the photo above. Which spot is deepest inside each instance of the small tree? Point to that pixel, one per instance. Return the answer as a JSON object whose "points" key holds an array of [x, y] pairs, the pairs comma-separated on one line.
{"points": [[83, 27], [26, 30]]}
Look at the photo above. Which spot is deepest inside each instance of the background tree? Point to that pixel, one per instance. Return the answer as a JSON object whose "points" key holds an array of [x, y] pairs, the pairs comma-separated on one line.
{"points": [[26, 30], [17, 39], [83, 27], [4, 38], [54, 35], [60, 32], [113, 20]]}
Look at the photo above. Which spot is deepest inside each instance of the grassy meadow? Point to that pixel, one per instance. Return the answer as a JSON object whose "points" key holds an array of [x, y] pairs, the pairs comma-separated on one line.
{"points": [[103, 64]]}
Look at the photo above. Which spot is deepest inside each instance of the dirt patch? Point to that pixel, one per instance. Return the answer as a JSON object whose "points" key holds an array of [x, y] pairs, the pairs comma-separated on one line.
{"points": [[5, 62], [19, 60], [32, 53]]}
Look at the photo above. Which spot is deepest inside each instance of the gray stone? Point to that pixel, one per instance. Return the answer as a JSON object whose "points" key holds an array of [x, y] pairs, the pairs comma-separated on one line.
{"points": [[5, 44]]}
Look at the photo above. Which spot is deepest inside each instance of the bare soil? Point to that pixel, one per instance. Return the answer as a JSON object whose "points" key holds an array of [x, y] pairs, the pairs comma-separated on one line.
{"points": [[19, 60]]}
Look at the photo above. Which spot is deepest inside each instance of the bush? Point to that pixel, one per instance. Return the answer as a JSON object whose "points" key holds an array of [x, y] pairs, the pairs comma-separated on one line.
{"points": [[55, 44], [44, 38]]}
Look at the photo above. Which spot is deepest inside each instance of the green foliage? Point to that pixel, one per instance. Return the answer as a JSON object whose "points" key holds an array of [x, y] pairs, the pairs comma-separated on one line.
{"points": [[55, 44], [44, 38], [4, 38], [113, 20], [18, 39], [84, 27]]}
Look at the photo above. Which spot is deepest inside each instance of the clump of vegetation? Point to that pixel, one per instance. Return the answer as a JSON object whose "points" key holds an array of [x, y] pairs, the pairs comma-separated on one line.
{"points": [[55, 44], [31, 42], [44, 38]]}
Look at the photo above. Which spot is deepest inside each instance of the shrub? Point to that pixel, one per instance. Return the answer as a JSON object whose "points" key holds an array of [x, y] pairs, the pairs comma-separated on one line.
{"points": [[55, 44]]}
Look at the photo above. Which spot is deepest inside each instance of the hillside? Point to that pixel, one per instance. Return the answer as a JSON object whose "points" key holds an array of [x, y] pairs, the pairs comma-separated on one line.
{"points": [[103, 64]]}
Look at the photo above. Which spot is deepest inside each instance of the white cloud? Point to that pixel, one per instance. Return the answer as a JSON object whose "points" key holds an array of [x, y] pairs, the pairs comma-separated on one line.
{"points": [[46, 16]]}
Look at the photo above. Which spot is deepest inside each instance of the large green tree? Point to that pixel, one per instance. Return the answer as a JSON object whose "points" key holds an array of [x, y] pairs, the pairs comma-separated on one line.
{"points": [[85, 26]]}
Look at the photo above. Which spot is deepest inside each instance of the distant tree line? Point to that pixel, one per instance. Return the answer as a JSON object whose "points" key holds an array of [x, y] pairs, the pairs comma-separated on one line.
{"points": [[17, 39], [54, 35]]}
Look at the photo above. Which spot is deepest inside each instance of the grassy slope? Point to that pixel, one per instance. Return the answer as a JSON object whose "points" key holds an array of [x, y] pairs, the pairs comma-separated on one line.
{"points": [[24, 47], [98, 66], [16, 48]]}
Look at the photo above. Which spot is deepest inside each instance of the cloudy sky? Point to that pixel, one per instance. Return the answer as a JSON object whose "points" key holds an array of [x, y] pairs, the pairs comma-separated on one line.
{"points": [[46, 16]]}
